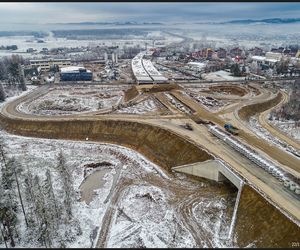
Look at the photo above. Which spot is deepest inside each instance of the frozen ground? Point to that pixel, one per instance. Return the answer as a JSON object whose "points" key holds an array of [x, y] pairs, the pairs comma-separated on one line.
{"points": [[143, 107], [150, 212], [73, 100], [291, 128], [263, 133], [209, 103], [220, 75], [152, 208]]}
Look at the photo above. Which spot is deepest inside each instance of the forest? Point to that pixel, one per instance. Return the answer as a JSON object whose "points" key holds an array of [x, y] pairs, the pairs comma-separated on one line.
{"points": [[99, 32], [11, 73]]}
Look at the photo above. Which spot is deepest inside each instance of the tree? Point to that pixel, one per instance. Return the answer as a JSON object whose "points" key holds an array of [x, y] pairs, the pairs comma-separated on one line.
{"points": [[235, 69], [269, 73], [8, 202], [42, 212], [243, 54], [67, 183], [22, 84], [17, 169], [49, 192], [2, 93], [249, 58], [243, 69], [3, 72], [14, 69], [254, 67], [228, 61]]}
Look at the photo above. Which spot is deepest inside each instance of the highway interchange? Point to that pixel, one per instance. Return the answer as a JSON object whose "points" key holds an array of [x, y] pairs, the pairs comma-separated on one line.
{"points": [[274, 189]]}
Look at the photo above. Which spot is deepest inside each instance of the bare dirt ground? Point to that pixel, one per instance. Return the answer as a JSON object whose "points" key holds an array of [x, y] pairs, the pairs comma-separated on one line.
{"points": [[175, 117]]}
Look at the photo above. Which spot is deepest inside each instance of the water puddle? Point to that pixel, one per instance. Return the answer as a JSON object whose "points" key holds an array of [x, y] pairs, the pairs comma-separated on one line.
{"points": [[92, 182]]}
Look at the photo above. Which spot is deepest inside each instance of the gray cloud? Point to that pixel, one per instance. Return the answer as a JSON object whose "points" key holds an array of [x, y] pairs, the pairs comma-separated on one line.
{"points": [[52, 12]]}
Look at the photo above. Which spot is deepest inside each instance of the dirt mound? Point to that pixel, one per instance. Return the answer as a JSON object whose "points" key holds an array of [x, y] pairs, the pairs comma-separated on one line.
{"points": [[246, 112], [160, 87], [131, 93], [161, 146], [260, 223], [88, 167], [233, 90]]}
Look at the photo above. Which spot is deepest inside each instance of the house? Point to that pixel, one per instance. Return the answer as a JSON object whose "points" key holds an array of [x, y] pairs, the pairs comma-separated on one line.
{"points": [[238, 60], [221, 53], [235, 52], [204, 53], [256, 52], [280, 49]]}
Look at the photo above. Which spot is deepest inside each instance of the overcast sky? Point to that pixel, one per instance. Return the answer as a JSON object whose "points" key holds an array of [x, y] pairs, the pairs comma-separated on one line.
{"points": [[55, 12]]}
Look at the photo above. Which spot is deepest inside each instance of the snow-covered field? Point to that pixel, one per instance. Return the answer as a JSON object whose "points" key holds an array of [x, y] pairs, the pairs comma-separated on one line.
{"points": [[52, 42], [150, 208], [143, 107], [291, 128], [263, 133], [73, 100], [220, 75], [147, 213], [209, 103]]}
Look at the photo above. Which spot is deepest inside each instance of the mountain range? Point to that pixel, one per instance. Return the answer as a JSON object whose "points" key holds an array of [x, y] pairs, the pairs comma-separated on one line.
{"points": [[113, 23], [263, 21]]}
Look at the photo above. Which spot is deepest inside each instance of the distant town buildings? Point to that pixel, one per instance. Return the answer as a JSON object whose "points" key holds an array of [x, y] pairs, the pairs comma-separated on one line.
{"points": [[50, 63], [235, 52], [221, 53], [76, 74], [256, 52]]}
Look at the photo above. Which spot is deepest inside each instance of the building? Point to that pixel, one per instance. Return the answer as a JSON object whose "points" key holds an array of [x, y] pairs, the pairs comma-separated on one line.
{"points": [[221, 53], [256, 52], [114, 57], [235, 52], [298, 54], [238, 60], [271, 55], [47, 65], [204, 53], [76, 74], [196, 66], [259, 59]]}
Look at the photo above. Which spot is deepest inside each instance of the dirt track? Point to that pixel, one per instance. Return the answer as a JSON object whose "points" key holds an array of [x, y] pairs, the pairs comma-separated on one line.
{"points": [[200, 136]]}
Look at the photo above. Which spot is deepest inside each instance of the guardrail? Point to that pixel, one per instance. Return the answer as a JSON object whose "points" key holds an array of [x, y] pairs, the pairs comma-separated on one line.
{"points": [[290, 180]]}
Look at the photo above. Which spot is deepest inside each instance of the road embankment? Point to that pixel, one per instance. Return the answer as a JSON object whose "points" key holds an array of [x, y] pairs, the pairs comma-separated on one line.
{"points": [[161, 146], [260, 224], [247, 111]]}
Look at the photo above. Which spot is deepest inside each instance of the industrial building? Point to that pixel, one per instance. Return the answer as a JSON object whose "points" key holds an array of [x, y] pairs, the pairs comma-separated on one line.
{"points": [[76, 74], [50, 63]]}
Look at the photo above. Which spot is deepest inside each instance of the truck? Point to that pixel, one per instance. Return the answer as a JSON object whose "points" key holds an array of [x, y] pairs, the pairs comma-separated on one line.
{"points": [[187, 126], [231, 129]]}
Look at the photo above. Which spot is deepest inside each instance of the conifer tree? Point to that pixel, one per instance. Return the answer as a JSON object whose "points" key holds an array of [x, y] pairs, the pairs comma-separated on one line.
{"points": [[22, 84], [67, 183], [50, 197], [2, 93]]}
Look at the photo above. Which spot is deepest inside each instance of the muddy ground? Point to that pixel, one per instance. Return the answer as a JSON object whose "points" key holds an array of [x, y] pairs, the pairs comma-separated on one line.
{"points": [[258, 224]]}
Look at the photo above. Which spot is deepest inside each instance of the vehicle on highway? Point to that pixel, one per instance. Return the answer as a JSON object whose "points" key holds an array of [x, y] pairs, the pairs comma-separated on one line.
{"points": [[231, 129]]}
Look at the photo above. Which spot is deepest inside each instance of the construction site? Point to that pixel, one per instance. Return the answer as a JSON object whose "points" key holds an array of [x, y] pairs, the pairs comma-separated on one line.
{"points": [[199, 131]]}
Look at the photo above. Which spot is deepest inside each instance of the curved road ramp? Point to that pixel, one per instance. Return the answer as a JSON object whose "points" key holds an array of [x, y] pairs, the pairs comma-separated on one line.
{"points": [[257, 220]]}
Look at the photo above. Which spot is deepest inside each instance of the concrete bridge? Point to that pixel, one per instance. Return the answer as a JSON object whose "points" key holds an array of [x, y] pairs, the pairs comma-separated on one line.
{"points": [[213, 170]]}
